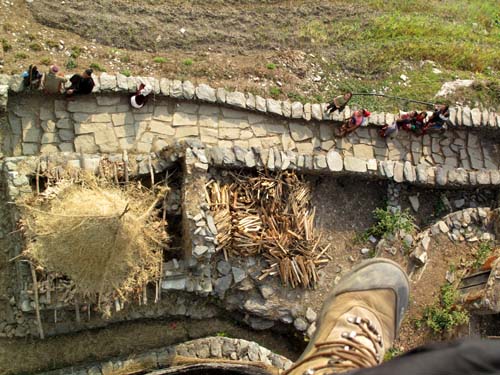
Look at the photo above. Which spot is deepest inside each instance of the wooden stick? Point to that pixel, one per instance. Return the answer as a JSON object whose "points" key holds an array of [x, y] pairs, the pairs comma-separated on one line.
{"points": [[77, 310], [37, 305], [151, 172], [38, 177]]}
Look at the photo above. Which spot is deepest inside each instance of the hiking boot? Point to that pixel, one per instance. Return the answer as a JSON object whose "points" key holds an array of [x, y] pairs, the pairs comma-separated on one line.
{"points": [[358, 321]]}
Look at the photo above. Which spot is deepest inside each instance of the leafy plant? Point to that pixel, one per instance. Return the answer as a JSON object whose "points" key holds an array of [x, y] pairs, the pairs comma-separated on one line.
{"points": [[221, 334], [445, 315], [159, 60], [126, 72], [71, 64], [45, 60], [439, 207], [391, 354], [271, 66], [20, 56], [52, 44], [389, 223], [274, 91], [482, 254], [97, 67], [296, 97], [187, 62], [6, 46], [125, 58], [35, 46], [75, 52]]}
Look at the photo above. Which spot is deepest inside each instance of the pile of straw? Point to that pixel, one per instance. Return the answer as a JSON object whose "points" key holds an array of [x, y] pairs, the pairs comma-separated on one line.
{"points": [[104, 239]]}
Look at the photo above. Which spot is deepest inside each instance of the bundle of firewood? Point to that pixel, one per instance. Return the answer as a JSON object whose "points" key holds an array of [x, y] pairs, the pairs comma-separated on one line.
{"points": [[271, 216]]}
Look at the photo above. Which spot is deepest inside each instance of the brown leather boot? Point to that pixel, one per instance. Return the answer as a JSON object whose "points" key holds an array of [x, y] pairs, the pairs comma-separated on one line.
{"points": [[359, 320]]}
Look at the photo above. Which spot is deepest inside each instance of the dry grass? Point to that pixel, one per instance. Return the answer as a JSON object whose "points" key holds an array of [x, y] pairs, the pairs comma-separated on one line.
{"points": [[101, 237]]}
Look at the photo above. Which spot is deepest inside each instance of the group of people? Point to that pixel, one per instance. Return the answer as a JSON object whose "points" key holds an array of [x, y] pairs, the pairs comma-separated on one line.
{"points": [[415, 122], [53, 82]]}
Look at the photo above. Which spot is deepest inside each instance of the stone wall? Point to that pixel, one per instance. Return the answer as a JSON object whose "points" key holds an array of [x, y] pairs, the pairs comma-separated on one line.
{"points": [[249, 130]]}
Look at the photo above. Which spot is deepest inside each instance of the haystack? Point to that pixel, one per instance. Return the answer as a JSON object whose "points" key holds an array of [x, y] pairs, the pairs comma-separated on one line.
{"points": [[101, 238]]}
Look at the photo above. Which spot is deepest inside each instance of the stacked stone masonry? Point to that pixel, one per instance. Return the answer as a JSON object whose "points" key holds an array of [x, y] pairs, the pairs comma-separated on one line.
{"points": [[249, 131]]}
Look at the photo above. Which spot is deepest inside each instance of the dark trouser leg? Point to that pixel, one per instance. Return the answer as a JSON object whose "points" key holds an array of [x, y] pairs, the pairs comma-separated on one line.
{"points": [[456, 358]]}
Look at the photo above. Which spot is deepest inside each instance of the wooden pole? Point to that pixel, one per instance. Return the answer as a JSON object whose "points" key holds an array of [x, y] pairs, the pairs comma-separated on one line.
{"points": [[37, 306]]}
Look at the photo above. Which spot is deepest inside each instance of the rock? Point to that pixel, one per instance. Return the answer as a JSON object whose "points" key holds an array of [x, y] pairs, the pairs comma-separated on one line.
{"points": [[236, 99], [222, 284], [316, 112], [188, 90], [408, 240], [300, 324], [311, 315], [419, 255], [459, 203], [260, 324], [107, 82], [211, 225], [174, 284], [267, 291], [441, 176], [353, 164], [450, 277], [443, 227], [250, 159], [450, 87], [238, 274], [372, 165], [311, 330], [176, 89], [297, 110], [260, 103], [421, 173], [334, 161], [425, 242], [300, 132], [200, 250], [398, 172], [207, 93], [365, 251], [409, 172], [274, 106], [414, 202], [223, 267], [320, 161]]}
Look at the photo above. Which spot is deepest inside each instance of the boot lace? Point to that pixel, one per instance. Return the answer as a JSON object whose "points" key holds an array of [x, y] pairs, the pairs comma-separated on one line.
{"points": [[347, 352]]}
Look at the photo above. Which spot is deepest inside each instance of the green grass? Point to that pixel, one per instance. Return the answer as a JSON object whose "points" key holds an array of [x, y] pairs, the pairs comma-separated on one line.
{"points": [[126, 72], [52, 44], [483, 252], [6, 46], [97, 67], [71, 64], [271, 66], [46, 60], [446, 315], [75, 52], [391, 354], [35, 46], [461, 37], [274, 91], [20, 56], [159, 60], [389, 223], [187, 62]]}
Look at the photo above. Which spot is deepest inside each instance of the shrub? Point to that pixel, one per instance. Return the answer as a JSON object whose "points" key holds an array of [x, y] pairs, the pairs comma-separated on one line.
{"points": [[52, 44], [159, 60], [45, 60], [6, 46], [274, 91], [271, 66], [482, 254], [446, 315], [97, 67], [71, 64], [75, 52], [20, 56], [125, 58], [389, 223], [126, 72], [187, 62], [35, 46]]}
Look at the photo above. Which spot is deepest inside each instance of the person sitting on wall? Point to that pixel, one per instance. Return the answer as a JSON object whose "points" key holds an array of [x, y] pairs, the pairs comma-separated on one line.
{"points": [[389, 130], [141, 96], [53, 81], [32, 77], [439, 118], [358, 118], [339, 103], [81, 84]]}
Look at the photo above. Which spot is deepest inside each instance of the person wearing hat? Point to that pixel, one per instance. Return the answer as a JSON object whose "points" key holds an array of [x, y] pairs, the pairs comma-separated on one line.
{"points": [[81, 84], [141, 96], [53, 81], [339, 103], [358, 118]]}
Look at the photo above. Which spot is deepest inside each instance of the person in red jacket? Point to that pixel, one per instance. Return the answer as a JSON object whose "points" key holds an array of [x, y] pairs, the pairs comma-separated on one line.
{"points": [[358, 118]]}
